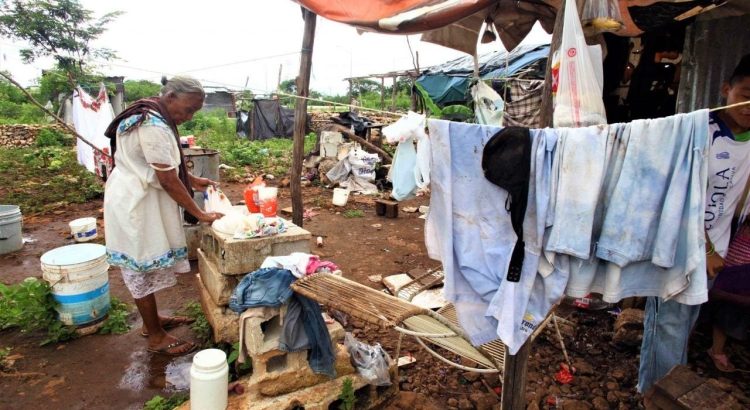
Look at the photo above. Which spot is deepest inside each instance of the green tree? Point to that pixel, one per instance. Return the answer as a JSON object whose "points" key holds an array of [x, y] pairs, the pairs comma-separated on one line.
{"points": [[137, 89]]}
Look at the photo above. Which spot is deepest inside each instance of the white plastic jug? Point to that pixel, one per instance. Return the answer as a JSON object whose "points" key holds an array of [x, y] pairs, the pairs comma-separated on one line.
{"points": [[209, 380], [340, 196]]}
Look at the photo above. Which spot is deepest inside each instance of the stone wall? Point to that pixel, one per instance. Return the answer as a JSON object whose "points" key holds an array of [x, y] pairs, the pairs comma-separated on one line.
{"points": [[24, 135]]}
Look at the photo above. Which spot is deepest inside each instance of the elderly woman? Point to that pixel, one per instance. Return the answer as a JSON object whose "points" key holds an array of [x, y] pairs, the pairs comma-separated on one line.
{"points": [[142, 201]]}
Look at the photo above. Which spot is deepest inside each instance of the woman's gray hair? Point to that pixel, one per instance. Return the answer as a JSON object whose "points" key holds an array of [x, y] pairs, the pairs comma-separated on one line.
{"points": [[181, 85]]}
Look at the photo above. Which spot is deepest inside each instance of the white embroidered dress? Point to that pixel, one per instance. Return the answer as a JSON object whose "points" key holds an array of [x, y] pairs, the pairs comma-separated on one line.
{"points": [[143, 224]]}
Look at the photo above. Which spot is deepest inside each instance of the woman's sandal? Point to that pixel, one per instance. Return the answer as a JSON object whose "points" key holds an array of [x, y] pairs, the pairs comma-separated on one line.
{"points": [[171, 323], [173, 350], [721, 361]]}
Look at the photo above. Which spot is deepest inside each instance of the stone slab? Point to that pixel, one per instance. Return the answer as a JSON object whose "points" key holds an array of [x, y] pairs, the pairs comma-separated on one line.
{"points": [[242, 256], [219, 286], [224, 322]]}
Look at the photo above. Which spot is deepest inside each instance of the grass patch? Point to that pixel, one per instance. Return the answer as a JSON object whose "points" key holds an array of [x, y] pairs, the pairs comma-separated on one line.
{"points": [[42, 179], [28, 306], [353, 213]]}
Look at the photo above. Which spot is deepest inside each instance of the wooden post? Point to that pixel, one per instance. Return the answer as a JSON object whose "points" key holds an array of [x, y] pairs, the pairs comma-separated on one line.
{"points": [[545, 119], [382, 93], [413, 81], [300, 114], [350, 91], [514, 379], [394, 91], [278, 81]]}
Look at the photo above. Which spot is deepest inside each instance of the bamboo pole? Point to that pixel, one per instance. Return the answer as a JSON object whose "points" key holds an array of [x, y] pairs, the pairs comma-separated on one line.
{"points": [[51, 114], [300, 114]]}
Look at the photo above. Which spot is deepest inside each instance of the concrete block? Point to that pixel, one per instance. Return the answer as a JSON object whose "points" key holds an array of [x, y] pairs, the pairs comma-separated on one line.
{"points": [[193, 238], [276, 383], [262, 333], [224, 322], [219, 286], [242, 256]]}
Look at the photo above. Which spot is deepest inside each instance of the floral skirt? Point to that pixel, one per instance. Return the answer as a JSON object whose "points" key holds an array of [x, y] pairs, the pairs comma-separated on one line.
{"points": [[142, 284]]}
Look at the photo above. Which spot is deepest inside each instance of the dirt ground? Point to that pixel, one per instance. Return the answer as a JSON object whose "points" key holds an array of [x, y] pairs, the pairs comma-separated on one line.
{"points": [[115, 372]]}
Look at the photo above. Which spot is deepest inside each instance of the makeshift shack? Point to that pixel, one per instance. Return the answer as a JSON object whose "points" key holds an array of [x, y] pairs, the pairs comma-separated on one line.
{"points": [[268, 119]]}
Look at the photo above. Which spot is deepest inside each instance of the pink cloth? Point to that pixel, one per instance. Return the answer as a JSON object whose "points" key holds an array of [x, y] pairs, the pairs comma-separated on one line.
{"points": [[315, 264]]}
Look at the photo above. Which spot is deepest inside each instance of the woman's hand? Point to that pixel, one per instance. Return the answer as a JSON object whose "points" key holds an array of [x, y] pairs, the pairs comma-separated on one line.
{"points": [[714, 264], [209, 217], [201, 184]]}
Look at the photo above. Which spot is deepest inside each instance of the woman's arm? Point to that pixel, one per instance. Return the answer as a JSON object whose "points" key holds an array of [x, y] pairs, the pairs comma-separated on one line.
{"points": [[201, 184], [174, 187]]}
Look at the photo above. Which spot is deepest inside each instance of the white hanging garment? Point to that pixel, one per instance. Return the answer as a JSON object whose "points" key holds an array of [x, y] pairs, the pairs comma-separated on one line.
{"points": [[91, 116]]}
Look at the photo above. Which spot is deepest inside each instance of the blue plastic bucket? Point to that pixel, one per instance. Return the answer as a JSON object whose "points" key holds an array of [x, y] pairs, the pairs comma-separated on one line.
{"points": [[80, 283]]}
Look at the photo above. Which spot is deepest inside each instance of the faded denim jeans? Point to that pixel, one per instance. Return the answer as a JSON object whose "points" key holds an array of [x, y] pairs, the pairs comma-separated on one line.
{"points": [[666, 330]]}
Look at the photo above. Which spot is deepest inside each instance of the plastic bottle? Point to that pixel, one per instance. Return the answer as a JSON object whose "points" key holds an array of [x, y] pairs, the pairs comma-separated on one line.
{"points": [[251, 195], [209, 380]]}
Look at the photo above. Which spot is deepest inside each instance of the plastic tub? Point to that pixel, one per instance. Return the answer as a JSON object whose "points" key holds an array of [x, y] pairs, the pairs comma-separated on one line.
{"points": [[340, 196], [209, 380], [83, 229], [79, 280], [11, 221]]}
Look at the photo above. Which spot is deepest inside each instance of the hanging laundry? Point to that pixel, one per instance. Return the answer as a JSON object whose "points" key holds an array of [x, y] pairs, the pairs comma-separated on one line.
{"points": [[91, 117], [652, 235], [470, 231], [489, 106]]}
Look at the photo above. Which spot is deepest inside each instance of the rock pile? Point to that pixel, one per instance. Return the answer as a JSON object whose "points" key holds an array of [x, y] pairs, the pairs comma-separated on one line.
{"points": [[23, 135]]}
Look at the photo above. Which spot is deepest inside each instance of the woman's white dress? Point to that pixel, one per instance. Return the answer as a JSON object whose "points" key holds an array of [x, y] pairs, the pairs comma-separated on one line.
{"points": [[142, 223]]}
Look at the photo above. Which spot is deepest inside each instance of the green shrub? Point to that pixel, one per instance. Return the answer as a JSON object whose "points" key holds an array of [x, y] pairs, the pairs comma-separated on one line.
{"points": [[50, 137], [117, 320], [201, 327], [29, 306]]}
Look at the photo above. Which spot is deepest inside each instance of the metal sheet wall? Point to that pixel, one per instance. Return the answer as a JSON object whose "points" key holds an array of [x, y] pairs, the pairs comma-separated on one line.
{"points": [[712, 50]]}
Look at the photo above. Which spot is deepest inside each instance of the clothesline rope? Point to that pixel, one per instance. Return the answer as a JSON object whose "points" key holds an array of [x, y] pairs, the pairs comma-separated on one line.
{"points": [[726, 107]]}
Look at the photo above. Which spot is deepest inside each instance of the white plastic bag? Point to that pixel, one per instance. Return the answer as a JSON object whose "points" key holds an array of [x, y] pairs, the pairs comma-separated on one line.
{"points": [[371, 361], [216, 201], [578, 101], [489, 107], [410, 126]]}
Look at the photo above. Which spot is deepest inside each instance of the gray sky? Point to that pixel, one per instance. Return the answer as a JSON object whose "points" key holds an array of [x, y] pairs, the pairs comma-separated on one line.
{"points": [[186, 37]]}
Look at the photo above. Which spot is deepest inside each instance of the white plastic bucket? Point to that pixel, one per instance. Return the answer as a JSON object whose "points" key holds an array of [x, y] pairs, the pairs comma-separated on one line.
{"points": [[83, 229], [79, 280], [209, 380], [10, 228], [340, 196]]}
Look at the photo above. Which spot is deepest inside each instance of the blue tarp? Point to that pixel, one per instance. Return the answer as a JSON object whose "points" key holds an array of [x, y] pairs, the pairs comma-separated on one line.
{"points": [[448, 83]]}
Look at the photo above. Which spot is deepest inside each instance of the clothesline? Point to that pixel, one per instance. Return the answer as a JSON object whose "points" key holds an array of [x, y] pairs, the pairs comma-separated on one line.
{"points": [[726, 107]]}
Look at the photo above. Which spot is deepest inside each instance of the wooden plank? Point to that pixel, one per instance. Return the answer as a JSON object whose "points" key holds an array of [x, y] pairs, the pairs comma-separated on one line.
{"points": [[514, 379], [679, 381], [300, 114]]}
